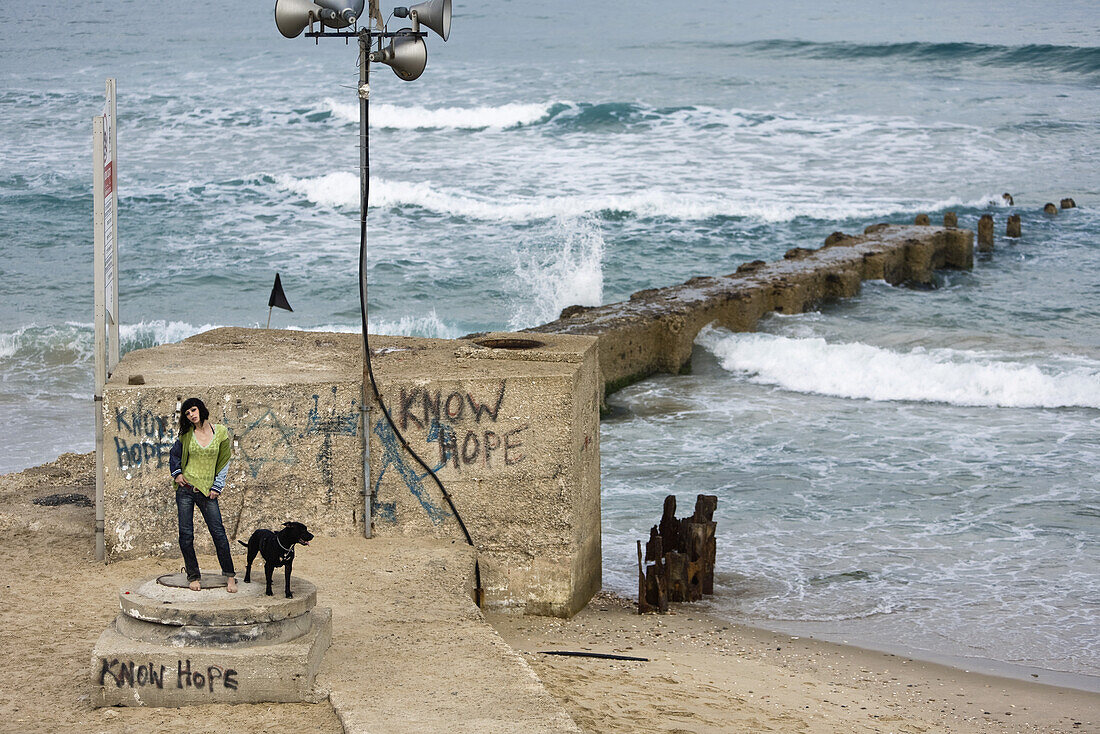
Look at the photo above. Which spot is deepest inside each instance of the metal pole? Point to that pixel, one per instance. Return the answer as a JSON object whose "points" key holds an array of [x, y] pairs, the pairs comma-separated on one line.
{"points": [[100, 318], [364, 185]]}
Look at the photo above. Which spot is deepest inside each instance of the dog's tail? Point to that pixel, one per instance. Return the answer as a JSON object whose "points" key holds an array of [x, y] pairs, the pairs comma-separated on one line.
{"points": [[243, 543]]}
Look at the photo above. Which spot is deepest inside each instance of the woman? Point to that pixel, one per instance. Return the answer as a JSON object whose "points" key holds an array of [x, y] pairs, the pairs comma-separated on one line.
{"points": [[199, 462]]}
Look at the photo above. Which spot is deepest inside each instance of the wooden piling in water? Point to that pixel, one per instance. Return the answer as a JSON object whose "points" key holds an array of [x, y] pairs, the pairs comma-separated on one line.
{"points": [[682, 555], [1012, 229], [985, 233]]}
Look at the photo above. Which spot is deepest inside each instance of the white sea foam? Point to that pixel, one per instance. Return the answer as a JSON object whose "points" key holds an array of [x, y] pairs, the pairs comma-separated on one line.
{"points": [[332, 189], [341, 189], [861, 371], [427, 325], [982, 202], [35, 350], [464, 118], [152, 333], [8, 345], [42, 347], [571, 273]]}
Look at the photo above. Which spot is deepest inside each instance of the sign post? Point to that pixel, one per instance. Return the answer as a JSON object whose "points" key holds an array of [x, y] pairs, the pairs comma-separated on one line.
{"points": [[105, 267], [110, 209]]}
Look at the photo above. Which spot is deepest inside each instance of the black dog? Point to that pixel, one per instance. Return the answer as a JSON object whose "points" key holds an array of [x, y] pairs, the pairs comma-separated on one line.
{"points": [[277, 550]]}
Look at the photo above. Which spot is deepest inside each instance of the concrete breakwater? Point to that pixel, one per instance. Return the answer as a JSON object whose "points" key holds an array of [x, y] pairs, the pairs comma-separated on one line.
{"points": [[508, 424], [655, 330]]}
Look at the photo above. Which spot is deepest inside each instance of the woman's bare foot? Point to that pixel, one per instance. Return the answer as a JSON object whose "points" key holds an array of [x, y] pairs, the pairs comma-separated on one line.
{"points": [[195, 585], [231, 585]]}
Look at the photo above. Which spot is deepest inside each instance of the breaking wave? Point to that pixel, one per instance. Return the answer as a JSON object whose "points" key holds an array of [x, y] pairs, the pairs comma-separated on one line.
{"points": [[861, 371], [1080, 59], [341, 189]]}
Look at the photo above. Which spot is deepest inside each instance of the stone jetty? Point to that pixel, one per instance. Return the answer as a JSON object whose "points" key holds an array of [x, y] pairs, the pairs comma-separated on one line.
{"points": [[655, 330]]}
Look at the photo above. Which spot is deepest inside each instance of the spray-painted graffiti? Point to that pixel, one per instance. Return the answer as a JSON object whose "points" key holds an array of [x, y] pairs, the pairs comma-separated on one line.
{"points": [[333, 424], [126, 673], [266, 440], [421, 408], [144, 438], [459, 429], [394, 458]]}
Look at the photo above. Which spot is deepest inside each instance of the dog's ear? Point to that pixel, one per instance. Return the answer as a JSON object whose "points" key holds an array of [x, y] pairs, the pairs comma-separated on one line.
{"points": [[287, 524]]}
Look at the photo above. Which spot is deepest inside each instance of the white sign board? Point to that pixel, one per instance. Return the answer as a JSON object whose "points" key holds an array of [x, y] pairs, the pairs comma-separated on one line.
{"points": [[105, 276], [110, 223]]}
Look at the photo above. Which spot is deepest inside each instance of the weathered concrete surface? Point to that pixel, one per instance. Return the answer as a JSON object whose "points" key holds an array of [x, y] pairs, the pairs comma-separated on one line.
{"points": [[513, 434], [411, 653], [170, 646], [654, 331], [152, 601], [128, 672], [290, 400]]}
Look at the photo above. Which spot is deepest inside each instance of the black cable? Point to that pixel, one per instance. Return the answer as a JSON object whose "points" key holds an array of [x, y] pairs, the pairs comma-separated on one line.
{"points": [[598, 655], [364, 196]]}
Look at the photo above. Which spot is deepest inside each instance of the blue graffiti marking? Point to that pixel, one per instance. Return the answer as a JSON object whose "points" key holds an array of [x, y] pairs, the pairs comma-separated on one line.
{"points": [[386, 511], [267, 420], [144, 438], [330, 425], [333, 424], [391, 456]]}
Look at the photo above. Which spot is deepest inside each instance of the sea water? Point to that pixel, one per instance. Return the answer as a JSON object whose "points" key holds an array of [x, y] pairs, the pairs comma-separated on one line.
{"points": [[909, 469]]}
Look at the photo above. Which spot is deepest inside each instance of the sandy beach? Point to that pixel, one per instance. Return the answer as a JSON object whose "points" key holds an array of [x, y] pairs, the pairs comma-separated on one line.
{"points": [[706, 675], [702, 674]]}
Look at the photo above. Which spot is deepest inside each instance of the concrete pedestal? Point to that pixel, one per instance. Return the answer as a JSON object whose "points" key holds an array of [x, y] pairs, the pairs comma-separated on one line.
{"points": [[171, 646]]}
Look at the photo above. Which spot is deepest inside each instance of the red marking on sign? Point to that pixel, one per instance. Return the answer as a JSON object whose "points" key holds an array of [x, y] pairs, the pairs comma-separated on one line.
{"points": [[108, 178]]}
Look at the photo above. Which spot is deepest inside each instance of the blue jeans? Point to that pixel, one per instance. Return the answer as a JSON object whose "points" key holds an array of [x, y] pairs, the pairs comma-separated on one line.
{"points": [[186, 499]]}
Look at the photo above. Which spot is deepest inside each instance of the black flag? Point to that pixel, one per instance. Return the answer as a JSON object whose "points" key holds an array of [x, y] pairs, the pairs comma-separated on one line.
{"points": [[278, 298]]}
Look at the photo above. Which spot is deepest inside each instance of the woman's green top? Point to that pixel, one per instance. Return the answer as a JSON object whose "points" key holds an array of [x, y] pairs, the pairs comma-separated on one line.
{"points": [[201, 465]]}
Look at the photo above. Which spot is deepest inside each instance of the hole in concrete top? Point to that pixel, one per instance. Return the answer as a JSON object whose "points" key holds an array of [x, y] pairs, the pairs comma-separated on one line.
{"points": [[509, 343]]}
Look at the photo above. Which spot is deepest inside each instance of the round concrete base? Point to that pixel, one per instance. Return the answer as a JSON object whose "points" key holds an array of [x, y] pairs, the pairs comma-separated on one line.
{"points": [[226, 635], [171, 646], [151, 600]]}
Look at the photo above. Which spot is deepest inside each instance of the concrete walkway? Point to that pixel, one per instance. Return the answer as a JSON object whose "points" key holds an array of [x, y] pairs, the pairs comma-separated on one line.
{"points": [[410, 651]]}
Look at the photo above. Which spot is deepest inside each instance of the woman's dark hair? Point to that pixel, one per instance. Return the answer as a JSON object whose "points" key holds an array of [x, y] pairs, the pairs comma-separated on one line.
{"points": [[186, 425]]}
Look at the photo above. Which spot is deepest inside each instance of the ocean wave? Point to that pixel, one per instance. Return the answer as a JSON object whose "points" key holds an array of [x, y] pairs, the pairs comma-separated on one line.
{"points": [[428, 325], [341, 189], [37, 347], [560, 113], [565, 117], [74, 342], [393, 117], [861, 371], [1080, 59]]}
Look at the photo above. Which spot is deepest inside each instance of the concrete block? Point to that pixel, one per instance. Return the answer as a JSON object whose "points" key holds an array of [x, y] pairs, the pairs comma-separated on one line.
{"points": [[127, 672], [171, 646], [291, 402], [512, 430]]}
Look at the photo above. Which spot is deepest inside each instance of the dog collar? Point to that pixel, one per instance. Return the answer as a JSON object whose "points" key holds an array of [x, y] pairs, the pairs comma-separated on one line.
{"points": [[281, 544]]}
